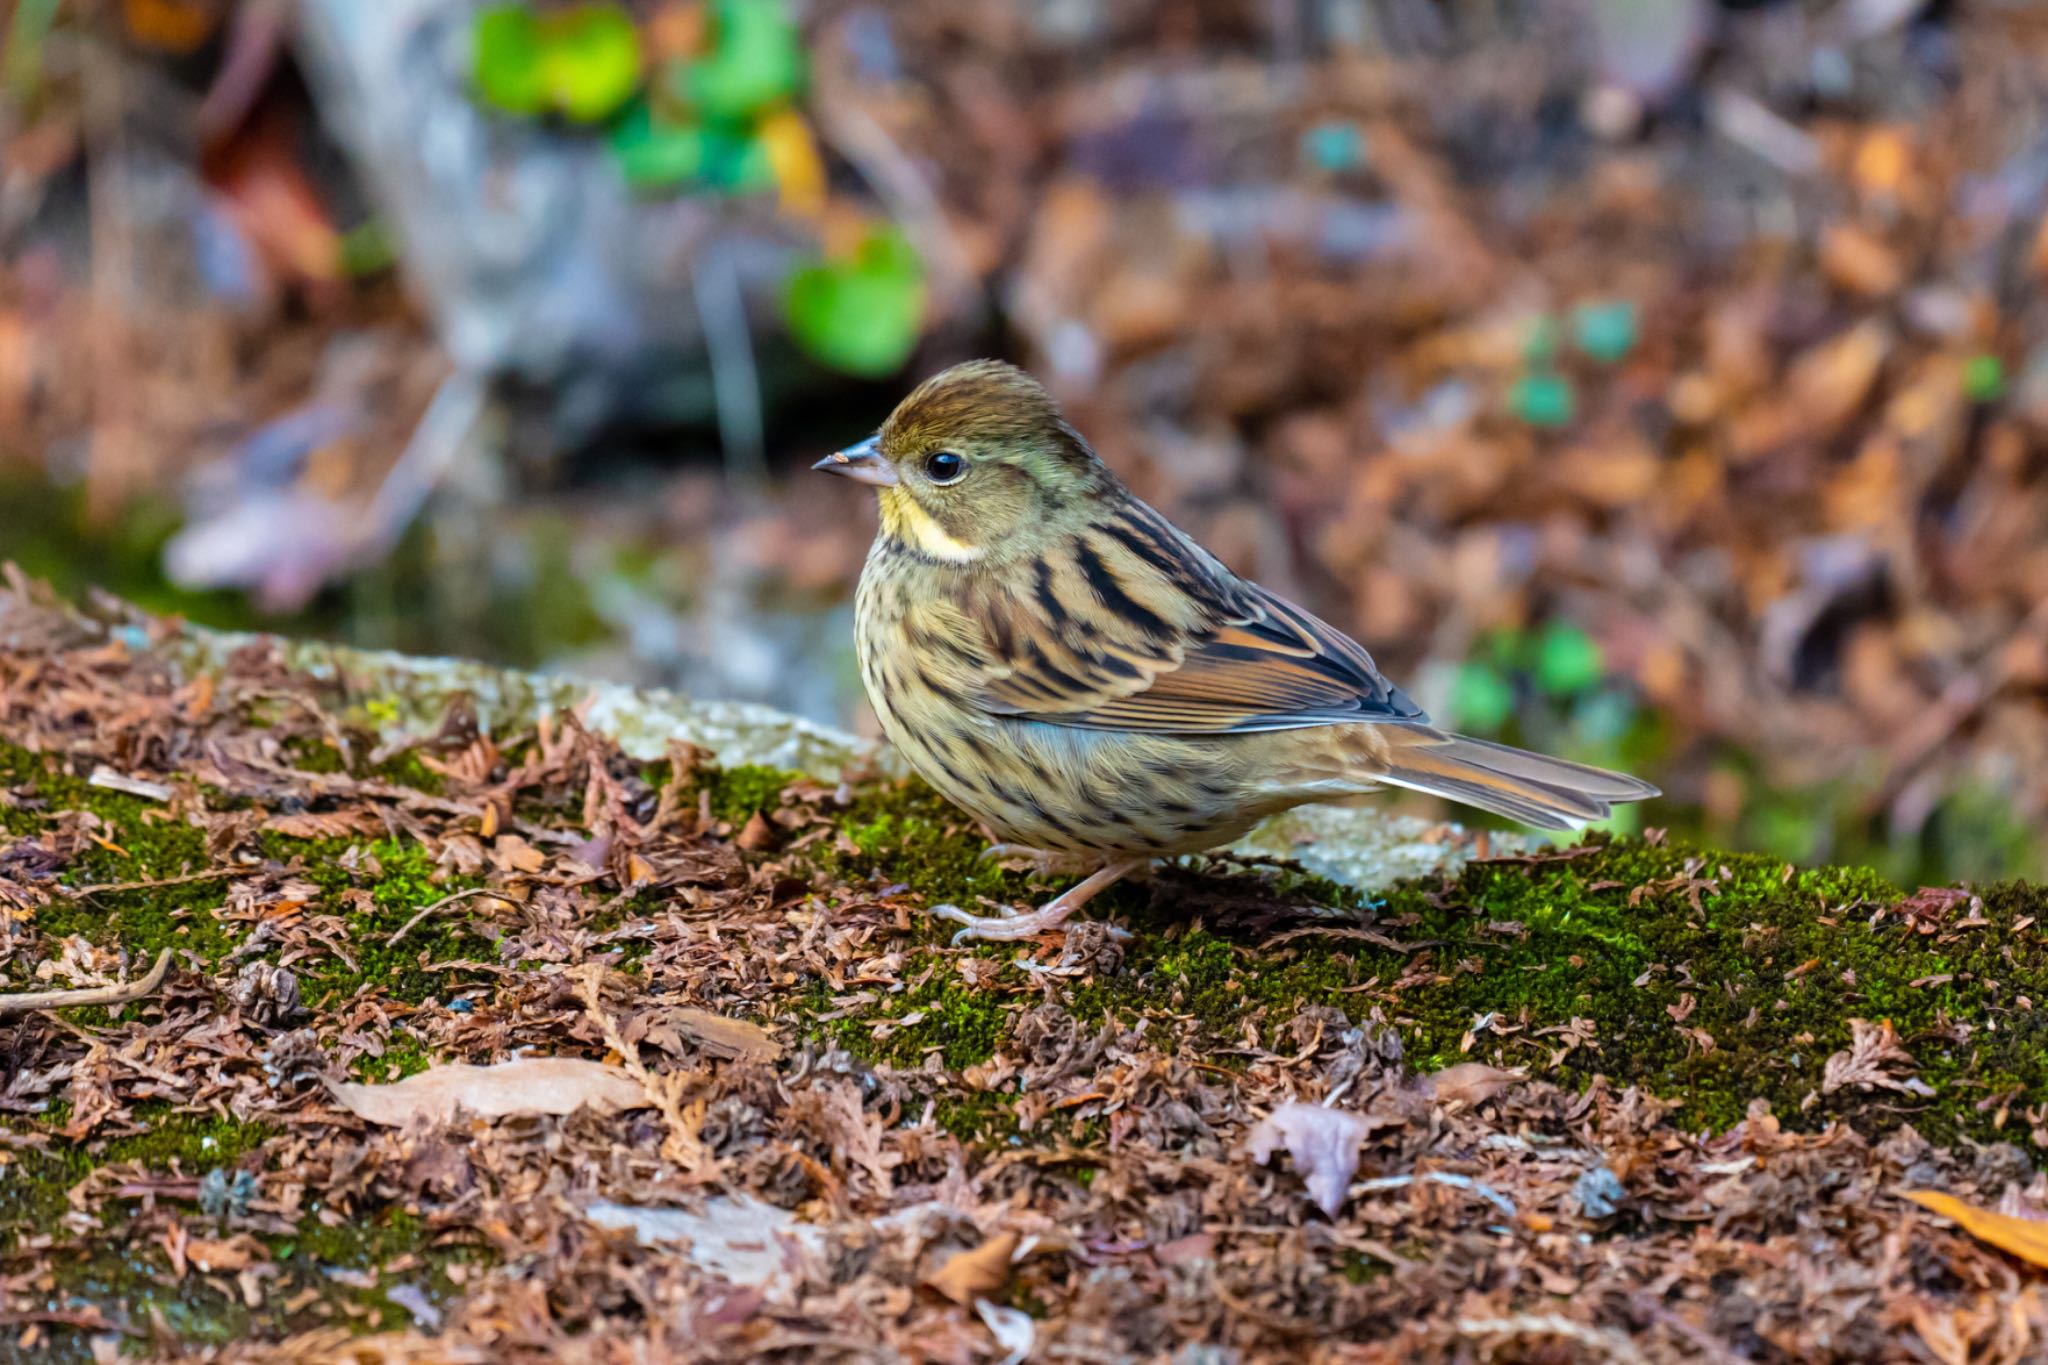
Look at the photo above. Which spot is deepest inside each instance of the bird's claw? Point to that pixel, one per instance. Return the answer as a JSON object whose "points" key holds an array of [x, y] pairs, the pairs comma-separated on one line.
{"points": [[1005, 926]]}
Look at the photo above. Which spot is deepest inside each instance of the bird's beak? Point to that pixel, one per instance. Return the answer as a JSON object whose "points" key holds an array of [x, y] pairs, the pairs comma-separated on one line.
{"points": [[863, 462]]}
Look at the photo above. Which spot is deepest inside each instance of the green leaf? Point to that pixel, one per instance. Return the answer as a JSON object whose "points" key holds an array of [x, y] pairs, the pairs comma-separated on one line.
{"points": [[737, 162], [507, 53], [1983, 378], [655, 154], [863, 316], [1481, 698], [1567, 662], [756, 60], [1542, 400], [1605, 331], [590, 61]]}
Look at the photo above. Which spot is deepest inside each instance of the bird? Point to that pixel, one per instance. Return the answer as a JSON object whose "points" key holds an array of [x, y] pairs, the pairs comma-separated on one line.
{"points": [[1096, 689]]}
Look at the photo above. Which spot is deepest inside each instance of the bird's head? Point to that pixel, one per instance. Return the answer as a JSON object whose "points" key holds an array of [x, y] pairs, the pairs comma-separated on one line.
{"points": [[977, 466]]}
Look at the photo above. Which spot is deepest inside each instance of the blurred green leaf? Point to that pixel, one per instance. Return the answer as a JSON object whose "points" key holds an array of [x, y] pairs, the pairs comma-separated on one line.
{"points": [[26, 33], [1605, 331], [756, 60], [655, 154], [367, 249], [1983, 378], [1567, 662], [1542, 400], [506, 43], [736, 161], [862, 316], [1539, 348], [1481, 698], [590, 60]]}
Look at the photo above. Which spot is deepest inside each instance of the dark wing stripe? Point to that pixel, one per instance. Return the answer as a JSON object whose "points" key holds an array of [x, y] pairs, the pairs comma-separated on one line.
{"points": [[1055, 610], [1141, 544], [1112, 595]]}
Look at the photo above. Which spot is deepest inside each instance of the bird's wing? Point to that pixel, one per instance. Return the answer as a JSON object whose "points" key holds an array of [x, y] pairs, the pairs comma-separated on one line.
{"points": [[1132, 626]]}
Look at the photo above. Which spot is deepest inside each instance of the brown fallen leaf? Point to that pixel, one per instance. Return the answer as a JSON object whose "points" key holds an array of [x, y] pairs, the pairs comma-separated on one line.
{"points": [[1471, 1083], [514, 854], [758, 835], [969, 1275], [236, 1253], [1875, 1060], [2021, 1237], [529, 1085], [742, 1039]]}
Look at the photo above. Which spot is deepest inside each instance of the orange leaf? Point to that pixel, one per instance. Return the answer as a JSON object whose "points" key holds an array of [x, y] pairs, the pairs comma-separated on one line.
{"points": [[970, 1274], [2021, 1237]]}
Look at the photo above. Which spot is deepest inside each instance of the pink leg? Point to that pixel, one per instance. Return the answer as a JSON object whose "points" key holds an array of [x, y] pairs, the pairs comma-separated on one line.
{"points": [[1044, 862], [1048, 916]]}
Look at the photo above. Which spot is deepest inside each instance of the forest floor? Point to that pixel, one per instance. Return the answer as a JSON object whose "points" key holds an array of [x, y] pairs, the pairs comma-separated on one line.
{"points": [[1627, 1100]]}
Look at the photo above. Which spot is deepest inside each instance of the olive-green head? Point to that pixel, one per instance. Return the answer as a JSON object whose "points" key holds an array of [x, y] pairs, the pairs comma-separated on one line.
{"points": [[977, 465]]}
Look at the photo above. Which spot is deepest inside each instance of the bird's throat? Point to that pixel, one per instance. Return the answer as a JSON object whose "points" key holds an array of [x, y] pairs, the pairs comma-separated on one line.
{"points": [[907, 521]]}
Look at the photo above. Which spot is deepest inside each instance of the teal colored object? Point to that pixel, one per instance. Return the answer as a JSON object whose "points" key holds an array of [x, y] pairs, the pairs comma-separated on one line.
{"points": [[1334, 146], [1984, 378], [862, 316], [654, 154], [1605, 331], [1542, 400], [756, 61], [737, 162], [1567, 660], [1481, 698], [506, 56]]}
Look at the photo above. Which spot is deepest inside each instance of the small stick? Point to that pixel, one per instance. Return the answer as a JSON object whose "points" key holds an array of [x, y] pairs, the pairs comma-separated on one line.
{"points": [[79, 892], [407, 927], [27, 1002]]}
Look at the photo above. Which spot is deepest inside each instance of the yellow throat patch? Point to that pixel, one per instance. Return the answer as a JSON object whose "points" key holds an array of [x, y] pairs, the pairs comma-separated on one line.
{"points": [[908, 522]]}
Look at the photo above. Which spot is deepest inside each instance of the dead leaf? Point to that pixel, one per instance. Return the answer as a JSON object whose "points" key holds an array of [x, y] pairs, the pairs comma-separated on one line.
{"points": [[758, 835], [741, 1039], [529, 1085], [970, 1274], [1471, 1083], [2025, 1238], [738, 1238], [1874, 1061], [514, 854], [1323, 1143], [236, 1253]]}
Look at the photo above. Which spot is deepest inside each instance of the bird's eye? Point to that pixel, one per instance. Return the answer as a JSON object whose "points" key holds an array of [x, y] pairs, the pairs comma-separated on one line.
{"points": [[944, 467]]}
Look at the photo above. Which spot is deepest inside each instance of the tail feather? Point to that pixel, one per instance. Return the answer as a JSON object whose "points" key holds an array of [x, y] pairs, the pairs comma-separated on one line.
{"points": [[1549, 793]]}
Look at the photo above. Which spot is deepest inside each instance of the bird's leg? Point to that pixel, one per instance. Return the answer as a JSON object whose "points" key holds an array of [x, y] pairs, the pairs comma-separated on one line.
{"points": [[1048, 916], [1045, 862]]}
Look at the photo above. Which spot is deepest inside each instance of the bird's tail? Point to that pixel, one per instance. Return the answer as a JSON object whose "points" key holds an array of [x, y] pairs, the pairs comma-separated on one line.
{"points": [[1549, 793]]}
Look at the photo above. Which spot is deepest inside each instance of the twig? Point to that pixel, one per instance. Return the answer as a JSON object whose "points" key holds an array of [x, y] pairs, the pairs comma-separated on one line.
{"points": [[425, 911], [27, 1002], [1456, 1182], [1609, 1344], [213, 874]]}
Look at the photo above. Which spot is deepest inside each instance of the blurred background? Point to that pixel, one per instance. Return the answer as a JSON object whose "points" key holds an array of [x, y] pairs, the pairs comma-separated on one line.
{"points": [[1658, 382]]}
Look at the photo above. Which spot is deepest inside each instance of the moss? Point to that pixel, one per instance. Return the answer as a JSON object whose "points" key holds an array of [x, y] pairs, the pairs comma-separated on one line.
{"points": [[736, 793], [131, 1281], [141, 843], [402, 879], [1744, 995]]}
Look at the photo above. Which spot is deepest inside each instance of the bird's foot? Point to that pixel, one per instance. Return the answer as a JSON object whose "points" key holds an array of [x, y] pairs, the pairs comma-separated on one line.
{"points": [[1042, 862], [1010, 925], [1006, 927]]}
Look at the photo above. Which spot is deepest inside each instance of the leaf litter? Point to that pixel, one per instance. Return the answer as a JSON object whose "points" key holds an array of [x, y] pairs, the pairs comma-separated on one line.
{"points": [[652, 1093]]}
